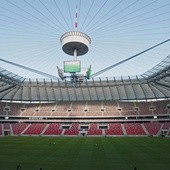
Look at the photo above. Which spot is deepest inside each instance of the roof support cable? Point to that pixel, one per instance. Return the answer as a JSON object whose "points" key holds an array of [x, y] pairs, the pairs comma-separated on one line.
{"points": [[30, 69], [127, 59]]}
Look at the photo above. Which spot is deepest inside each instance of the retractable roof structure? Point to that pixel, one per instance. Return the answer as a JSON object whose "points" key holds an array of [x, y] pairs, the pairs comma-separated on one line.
{"points": [[152, 85]]}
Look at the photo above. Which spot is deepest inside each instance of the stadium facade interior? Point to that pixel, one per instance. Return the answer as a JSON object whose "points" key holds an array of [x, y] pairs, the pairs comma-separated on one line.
{"points": [[128, 106], [125, 106]]}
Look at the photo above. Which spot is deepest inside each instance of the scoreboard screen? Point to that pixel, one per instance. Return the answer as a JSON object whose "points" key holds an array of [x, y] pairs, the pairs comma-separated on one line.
{"points": [[72, 66]]}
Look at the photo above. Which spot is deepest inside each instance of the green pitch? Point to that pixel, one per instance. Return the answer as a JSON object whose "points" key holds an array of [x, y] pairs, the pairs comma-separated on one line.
{"points": [[53, 153]]}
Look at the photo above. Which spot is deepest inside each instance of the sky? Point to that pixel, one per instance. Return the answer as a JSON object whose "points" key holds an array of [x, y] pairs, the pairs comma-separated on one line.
{"points": [[30, 32]]}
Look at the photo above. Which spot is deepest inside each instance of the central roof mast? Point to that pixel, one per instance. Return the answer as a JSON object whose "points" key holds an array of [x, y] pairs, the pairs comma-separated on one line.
{"points": [[74, 43], [76, 29]]}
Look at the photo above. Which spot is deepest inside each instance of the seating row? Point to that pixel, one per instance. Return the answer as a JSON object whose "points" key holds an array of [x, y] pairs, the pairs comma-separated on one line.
{"points": [[145, 128], [106, 108]]}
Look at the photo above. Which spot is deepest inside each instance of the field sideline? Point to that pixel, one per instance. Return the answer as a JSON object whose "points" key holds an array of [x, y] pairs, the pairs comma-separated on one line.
{"points": [[88, 153]]}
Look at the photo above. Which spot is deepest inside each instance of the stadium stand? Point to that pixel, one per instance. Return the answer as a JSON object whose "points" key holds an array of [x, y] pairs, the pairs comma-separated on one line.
{"points": [[94, 109], [3, 111], [111, 118], [111, 108], [61, 109], [53, 129], [144, 108], [30, 109], [94, 130], [73, 129], [18, 128], [168, 134], [161, 107], [153, 127], [85, 109], [0, 129], [114, 129], [134, 129], [44, 110], [77, 109], [127, 108], [15, 109], [6, 126], [35, 129], [166, 125]]}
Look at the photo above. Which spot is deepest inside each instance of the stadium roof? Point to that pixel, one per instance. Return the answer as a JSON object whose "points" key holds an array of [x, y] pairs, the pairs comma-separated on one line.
{"points": [[150, 85]]}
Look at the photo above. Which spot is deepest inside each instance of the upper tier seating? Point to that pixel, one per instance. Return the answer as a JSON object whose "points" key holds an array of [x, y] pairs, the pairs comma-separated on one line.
{"points": [[44, 110], [77, 109], [127, 108], [83, 109], [30, 109], [94, 109], [111, 108], [61, 109], [144, 108], [2, 109], [15, 109], [161, 107]]}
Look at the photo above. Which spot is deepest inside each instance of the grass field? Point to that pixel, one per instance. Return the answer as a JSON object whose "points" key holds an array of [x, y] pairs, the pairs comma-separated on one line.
{"points": [[55, 153]]}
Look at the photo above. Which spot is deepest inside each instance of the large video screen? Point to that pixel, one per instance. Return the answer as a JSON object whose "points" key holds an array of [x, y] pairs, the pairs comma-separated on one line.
{"points": [[72, 66]]}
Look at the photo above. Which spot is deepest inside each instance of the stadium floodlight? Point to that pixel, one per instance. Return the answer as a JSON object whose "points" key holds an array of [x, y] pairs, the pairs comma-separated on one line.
{"points": [[60, 73], [88, 73]]}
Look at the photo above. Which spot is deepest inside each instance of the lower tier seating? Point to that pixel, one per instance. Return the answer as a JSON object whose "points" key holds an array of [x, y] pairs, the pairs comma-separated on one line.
{"points": [[134, 129], [53, 129], [153, 127], [114, 129], [0, 129], [110, 129], [94, 130], [18, 128], [35, 129], [73, 130]]}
